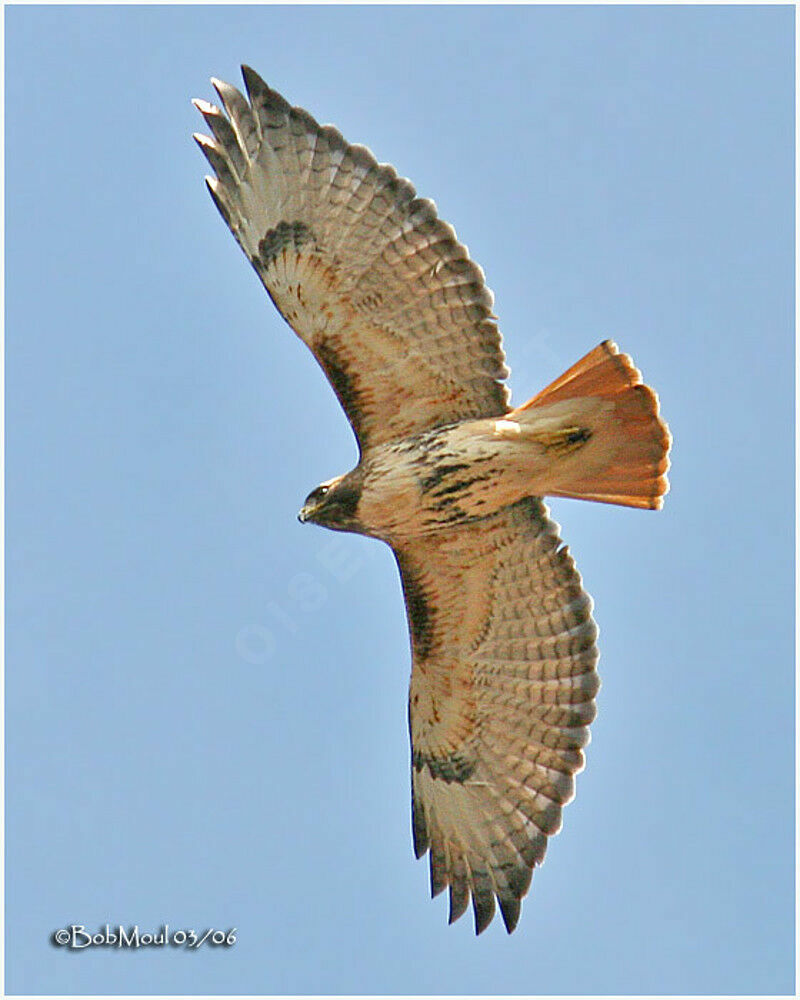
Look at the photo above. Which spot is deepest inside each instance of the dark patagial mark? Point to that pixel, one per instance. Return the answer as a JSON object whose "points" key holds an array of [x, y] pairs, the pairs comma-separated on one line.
{"points": [[419, 611], [342, 380], [285, 234], [456, 766]]}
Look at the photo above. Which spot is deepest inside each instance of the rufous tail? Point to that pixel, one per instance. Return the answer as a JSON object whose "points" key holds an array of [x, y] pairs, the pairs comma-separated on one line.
{"points": [[604, 424]]}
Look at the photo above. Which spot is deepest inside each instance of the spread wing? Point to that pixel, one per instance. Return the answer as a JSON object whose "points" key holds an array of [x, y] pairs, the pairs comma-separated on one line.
{"points": [[502, 694], [369, 278]]}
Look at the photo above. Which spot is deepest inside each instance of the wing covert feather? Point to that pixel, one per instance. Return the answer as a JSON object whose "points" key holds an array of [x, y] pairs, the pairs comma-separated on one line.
{"points": [[364, 271], [501, 696]]}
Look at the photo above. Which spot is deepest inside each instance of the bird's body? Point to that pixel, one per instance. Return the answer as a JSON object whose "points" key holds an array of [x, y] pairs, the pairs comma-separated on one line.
{"points": [[468, 470], [449, 475], [432, 480]]}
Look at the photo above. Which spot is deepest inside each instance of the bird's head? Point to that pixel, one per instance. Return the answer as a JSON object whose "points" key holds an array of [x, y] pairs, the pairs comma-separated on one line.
{"points": [[334, 504]]}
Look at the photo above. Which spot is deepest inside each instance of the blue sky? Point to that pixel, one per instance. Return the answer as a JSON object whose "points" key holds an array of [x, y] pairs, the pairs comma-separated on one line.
{"points": [[206, 701]]}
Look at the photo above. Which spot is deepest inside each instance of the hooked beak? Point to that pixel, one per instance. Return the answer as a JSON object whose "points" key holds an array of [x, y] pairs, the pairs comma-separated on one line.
{"points": [[306, 513]]}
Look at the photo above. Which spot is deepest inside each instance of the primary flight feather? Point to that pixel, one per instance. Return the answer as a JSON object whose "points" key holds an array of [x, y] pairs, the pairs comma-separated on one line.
{"points": [[502, 637]]}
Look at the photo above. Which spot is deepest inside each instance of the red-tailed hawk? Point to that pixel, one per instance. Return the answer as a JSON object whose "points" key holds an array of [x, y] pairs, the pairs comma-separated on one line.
{"points": [[502, 637]]}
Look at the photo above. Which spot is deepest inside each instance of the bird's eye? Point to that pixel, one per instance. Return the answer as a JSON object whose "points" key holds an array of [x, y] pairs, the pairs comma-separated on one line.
{"points": [[317, 494]]}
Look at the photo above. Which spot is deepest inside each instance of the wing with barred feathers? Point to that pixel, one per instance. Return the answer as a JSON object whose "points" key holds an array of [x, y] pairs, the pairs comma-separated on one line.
{"points": [[371, 280], [501, 697]]}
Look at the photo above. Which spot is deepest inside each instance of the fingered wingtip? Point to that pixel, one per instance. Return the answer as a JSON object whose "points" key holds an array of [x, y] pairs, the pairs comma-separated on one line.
{"points": [[204, 107], [258, 90], [510, 911], [252, 80], [226, 91]]}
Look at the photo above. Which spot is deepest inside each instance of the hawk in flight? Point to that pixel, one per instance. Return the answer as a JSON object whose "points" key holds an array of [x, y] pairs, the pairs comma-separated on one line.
{"points": [[503, 682]]}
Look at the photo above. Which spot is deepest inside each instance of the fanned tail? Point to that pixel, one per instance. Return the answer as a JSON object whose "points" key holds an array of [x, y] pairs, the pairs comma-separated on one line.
{"points": [[605, 423]]}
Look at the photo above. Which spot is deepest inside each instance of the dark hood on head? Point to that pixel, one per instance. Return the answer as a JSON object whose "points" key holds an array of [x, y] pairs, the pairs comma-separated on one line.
{"points": [[335, 505]]}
